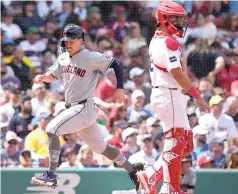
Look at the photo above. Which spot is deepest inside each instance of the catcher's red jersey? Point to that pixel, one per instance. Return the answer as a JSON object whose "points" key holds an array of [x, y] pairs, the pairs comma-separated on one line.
{"points": [[165, 54]]}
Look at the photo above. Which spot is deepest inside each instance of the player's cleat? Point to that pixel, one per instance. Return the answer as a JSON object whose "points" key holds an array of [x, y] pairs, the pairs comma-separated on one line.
{"points": [[136, 168], [148, 181], [46, 179]]}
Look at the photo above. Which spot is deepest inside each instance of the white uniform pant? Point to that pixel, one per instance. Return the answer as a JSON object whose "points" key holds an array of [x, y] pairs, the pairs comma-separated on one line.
{"points": [[82, 119], [170, 107]]}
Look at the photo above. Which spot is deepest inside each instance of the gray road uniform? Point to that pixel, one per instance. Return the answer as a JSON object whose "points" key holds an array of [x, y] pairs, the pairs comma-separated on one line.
{"points": [[79, 75]]}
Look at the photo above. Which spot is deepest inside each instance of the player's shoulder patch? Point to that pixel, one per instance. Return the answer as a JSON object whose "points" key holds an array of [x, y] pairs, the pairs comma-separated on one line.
{"points": [[171, 44]]}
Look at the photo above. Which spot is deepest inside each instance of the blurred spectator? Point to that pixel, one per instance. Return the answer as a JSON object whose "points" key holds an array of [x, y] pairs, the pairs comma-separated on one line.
{"points": [[8, 76], [12, 107], [29, 17], [115, 137], [104, 94], [205, 29], [217, 123], [120, 28], [153, 126], [229, 72], [38, 100], [147, 154], [205, 88], [137, 106], [105, 46], [21, 66], [202, 61], [33, 45], [8, 48], [70, 142], [138, 83], [20, 122], [33, 72], [93, 23], [85, 158], [159, 142], [13, 31], [25, 159], [134, 40], [37, 140], [188, 176], [10, 154], [228, 35], [67, 15], [216, 152], [44, 8], [135, 60], [205, 161], [192, 117], [232, 158], [232, 108], [81, 10], [129, 137], [199, 139], [13, 7], [70, 159]]}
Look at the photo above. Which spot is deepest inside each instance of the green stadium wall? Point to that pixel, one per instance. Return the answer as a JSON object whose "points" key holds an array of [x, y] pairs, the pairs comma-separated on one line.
{"points": [[101, 181]]}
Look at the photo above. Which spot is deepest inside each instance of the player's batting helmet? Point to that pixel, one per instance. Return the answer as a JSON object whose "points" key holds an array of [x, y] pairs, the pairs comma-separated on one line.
{"points": [[164, 14], [71, 32]]}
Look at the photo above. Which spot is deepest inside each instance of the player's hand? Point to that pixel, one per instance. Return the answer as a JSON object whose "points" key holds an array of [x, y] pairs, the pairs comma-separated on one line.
{"points": [[119, 96], [203, 106], [39, 79]]}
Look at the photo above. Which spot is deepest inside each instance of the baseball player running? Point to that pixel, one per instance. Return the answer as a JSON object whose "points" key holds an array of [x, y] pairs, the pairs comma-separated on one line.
{"points": [[168, 102], [78, 68]]}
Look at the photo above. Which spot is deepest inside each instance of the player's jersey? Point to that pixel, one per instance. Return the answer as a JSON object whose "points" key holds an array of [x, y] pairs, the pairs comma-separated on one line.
{"points": [[79, 73], [165, 54]]}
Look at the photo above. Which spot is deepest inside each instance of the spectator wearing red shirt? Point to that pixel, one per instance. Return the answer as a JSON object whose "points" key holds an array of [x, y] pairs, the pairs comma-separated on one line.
{"points": [[105, 91], [229, 72]]}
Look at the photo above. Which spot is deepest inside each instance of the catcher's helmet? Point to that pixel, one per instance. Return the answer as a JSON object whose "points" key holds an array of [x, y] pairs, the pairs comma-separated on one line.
{"points": [[71, 32], [164, 13]]}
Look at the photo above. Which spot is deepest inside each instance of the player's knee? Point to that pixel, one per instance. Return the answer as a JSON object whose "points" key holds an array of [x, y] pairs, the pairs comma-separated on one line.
{"points": [[98, 148], [50, 130]]}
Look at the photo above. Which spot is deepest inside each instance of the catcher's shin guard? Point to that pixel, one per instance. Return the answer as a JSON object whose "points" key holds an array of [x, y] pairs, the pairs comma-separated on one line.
{"points": [[188, 135], [172, 156]]}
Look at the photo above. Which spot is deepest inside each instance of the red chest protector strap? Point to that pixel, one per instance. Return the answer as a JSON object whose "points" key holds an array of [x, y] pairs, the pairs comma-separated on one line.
{"points": [[161, 68]]}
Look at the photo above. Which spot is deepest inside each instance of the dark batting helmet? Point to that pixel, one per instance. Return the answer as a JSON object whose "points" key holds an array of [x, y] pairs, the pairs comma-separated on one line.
{"points": [[71, 32]]}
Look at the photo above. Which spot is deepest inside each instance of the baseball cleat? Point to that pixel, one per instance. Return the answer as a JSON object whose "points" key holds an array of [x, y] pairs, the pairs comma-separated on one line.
{"points": [[46, 179], [136, 168]]}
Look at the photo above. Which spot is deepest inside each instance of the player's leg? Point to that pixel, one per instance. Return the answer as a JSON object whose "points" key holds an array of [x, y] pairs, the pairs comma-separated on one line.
{"points": [[93, 137], [188, 135], [169, 111], [67, 122]]}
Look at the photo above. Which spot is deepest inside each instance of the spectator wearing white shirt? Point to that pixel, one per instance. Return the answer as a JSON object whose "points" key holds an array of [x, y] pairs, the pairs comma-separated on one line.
{"points": [[129, 137], [217, 123], [13, 31], [33, 46], [147, 154], [39, 95], [44, 8]]}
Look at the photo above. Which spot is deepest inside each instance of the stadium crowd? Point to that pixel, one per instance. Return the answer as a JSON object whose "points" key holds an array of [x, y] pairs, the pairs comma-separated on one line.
{"points": [[30, 34]]}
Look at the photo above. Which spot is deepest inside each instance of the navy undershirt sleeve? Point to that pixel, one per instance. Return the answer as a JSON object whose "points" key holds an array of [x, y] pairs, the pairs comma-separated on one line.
{"points": [[119, 71]]}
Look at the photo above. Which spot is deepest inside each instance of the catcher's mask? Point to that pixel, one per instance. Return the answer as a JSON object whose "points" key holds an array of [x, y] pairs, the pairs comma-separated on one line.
{"points": [[172, 17]]}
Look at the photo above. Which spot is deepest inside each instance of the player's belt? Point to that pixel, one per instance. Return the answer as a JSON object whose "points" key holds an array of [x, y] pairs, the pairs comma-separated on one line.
{"points": [[166, 88], [68, 105]]}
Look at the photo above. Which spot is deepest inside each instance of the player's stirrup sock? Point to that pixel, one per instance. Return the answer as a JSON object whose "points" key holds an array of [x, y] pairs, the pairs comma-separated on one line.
{"points": [[54, 151], [116, 156]]}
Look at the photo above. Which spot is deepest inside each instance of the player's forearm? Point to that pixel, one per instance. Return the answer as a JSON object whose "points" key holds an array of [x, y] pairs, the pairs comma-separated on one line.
{"points": [[119, 71], [184, 82], [48, 77]]}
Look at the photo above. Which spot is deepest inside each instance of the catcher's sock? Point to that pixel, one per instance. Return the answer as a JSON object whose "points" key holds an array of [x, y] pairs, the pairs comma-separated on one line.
{"points": [[54, 152], [116, 156]]}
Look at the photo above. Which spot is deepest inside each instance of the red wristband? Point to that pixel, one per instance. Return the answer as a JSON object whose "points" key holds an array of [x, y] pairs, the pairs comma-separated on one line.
{"points": [[194, 93]]}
